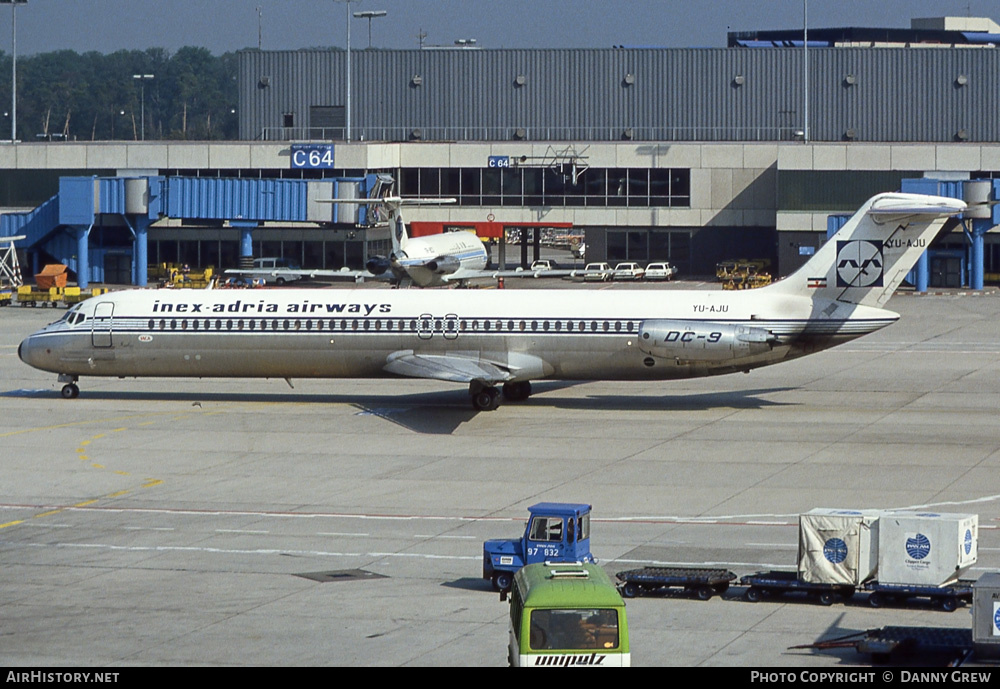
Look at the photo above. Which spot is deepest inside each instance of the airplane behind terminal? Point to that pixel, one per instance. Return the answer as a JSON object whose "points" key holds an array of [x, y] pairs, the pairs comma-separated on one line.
{"points": [[451, 258], [505, 338]]}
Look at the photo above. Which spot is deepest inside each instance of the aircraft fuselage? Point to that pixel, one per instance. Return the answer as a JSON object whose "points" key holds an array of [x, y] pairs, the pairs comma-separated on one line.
{"points": [[572, 334]]}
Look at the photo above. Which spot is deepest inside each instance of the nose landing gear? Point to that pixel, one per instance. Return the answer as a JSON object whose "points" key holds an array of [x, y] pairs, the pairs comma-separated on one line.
{"points": [[70, 391]]}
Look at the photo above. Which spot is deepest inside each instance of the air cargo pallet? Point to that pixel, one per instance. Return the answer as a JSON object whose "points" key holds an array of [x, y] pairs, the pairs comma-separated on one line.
{"points": [[948, 598], [769, 584], [703, 582]]}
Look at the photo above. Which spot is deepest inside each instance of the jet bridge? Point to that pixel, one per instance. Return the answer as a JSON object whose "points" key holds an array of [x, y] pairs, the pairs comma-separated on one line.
{"points": [[70, 225]]}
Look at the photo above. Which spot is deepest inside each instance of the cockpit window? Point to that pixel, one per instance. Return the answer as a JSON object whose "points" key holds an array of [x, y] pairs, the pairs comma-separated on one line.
{"points": [[72, 316]]}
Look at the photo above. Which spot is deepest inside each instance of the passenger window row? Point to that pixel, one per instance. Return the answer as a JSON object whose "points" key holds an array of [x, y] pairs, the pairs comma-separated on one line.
{"points": [[394, 325]]}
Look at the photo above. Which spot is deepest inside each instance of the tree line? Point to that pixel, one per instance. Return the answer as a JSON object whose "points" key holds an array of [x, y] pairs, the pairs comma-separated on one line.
{"points": [[95, 97]]}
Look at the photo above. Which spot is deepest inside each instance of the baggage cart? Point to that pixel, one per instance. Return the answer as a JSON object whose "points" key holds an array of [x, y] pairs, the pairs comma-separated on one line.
{"points": [[703, 582], [769, 584], [948, 597]]}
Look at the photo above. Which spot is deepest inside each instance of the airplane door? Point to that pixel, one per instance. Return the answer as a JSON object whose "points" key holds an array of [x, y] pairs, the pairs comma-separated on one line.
{"points": [[425, 326], [428, 325], [100, 324]]}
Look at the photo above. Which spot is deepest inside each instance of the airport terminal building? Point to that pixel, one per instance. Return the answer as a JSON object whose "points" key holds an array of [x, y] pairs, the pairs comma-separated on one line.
{"points": [[687, 155]]}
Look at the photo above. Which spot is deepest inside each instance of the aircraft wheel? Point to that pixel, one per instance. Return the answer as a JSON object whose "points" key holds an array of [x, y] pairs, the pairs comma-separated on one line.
{"points": [[518, 391], [70, 391], [486, 399]]}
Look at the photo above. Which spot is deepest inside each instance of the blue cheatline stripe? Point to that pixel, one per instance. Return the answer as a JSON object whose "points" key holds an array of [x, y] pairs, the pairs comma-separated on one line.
{"points": [[361, 325]]}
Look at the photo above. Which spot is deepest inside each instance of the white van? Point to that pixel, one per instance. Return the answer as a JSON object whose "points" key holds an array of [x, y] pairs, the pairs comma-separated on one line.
{"points": [[284, 269]]}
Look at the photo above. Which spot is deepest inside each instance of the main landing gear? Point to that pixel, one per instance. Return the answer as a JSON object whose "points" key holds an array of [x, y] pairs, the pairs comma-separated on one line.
{"points": [[487, 397], [70, 391]]}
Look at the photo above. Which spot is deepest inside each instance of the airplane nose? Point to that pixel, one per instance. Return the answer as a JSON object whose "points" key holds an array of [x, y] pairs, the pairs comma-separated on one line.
{"points": [[27, 350]]}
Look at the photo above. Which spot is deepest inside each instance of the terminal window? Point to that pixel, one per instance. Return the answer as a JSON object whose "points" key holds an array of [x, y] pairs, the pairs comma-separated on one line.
{"points": [[558, 185]]}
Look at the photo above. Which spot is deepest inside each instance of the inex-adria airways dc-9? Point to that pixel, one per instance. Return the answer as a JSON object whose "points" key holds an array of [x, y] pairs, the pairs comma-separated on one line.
{"points": [[500, 339]]}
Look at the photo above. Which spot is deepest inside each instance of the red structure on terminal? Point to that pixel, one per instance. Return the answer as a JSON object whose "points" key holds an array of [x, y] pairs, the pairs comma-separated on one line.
{"points": [[492, 231]]}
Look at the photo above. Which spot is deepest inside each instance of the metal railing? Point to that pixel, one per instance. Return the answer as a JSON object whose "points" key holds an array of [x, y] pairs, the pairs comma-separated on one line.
{"points": [[398, 134]]}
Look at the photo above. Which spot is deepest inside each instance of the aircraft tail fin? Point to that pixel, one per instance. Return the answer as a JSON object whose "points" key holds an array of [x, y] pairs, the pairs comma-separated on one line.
{"points": [[397, 226], [867, 259], [397, 229], [392, 205]]}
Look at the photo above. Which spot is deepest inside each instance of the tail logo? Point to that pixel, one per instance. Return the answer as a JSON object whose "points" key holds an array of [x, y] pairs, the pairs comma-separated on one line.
{"points": [[859, 263]]}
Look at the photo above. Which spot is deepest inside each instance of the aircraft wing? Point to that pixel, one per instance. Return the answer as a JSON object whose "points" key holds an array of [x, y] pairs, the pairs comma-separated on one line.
{"points": [[520, 273], [450, 367], [345, 273]]}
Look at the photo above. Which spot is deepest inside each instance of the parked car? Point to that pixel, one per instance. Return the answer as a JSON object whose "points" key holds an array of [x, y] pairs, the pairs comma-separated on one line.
{"points": [[628, 271], [597, 272], [660, 271], [544, 264]]}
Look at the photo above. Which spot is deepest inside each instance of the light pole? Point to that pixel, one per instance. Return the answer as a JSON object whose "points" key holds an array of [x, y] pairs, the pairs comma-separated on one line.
{"points": [[369, 15], [13, 69], [805, 70], [347, 119], [142, 108]]}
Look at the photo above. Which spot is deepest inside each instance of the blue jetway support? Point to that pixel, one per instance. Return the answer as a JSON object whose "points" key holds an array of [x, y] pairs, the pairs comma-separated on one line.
{"points": [[982, 215], [82, 233], [246, 228], [922, 272]]}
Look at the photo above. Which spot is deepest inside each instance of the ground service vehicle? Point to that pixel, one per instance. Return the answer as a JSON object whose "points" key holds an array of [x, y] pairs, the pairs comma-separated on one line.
{"points": [[566, 615], [555, 532], [284, 269]]}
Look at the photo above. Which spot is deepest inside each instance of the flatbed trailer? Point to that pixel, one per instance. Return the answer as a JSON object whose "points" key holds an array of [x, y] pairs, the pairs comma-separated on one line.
{"points": [[949, 598], [34, 297], [769, 584], [703, 582], [932, 646]]}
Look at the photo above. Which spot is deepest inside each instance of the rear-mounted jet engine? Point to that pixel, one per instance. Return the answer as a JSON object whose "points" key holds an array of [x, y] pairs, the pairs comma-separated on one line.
{"points": [[706, 341]]}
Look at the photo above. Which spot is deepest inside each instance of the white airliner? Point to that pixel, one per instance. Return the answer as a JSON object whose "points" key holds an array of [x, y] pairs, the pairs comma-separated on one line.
{"points": [[500, 337], [434, 261]]}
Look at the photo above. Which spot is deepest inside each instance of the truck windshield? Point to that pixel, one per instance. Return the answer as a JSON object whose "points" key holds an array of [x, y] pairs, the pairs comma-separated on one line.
{"points": [[546, 529], [581, 629]]}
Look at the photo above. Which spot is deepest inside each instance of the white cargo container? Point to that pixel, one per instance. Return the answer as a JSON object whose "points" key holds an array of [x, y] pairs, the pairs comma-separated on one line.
{"points": [[838, 546], [926, 548]]}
